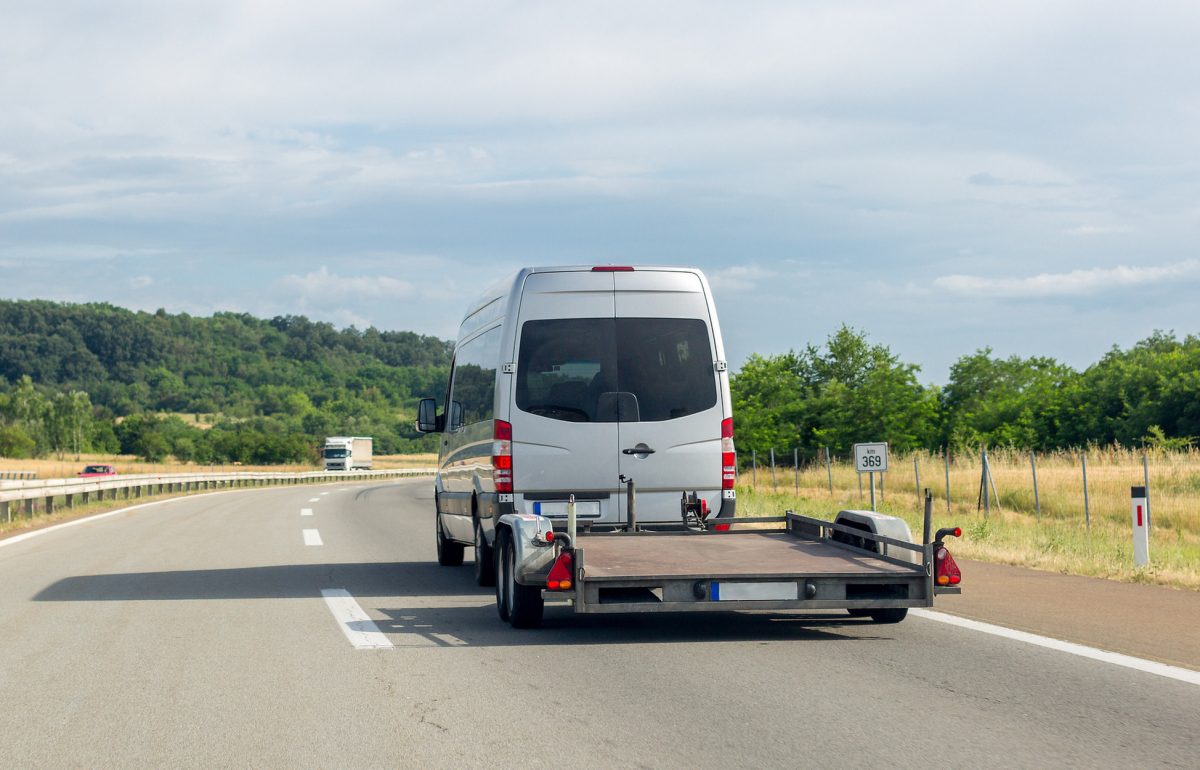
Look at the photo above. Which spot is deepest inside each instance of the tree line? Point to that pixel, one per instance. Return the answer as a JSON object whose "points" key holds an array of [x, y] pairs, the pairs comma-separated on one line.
{"points": [[228, 388], [850, 390], [233, 388]]}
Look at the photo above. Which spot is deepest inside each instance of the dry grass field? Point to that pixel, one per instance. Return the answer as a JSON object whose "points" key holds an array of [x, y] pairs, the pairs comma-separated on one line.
{"points": [[1057, 539]]}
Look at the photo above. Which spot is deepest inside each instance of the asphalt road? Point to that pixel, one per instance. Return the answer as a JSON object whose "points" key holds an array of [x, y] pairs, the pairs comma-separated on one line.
{"points": [[194, 633]]}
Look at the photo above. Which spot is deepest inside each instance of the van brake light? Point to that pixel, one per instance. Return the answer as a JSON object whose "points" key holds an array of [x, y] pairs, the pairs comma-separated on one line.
{"points": [[502, 465], [612, 269], [728, 455]]}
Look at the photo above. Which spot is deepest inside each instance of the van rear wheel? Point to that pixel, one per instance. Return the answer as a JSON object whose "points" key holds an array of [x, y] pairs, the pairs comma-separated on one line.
{"points": [[889, 615], [485, 559], [450, 553]]}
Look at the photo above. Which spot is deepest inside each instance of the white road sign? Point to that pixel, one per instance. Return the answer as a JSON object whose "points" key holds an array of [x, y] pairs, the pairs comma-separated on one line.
{"points": [[871, 458]]}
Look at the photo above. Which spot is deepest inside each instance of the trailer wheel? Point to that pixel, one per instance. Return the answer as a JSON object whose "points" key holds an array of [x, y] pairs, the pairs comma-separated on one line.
{"points": [[889, 615], [485, 566], [450, 553], [522, 604]]}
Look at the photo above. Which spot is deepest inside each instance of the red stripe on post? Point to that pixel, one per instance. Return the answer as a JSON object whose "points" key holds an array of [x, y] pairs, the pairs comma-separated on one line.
{"points": [[1139, 510]]}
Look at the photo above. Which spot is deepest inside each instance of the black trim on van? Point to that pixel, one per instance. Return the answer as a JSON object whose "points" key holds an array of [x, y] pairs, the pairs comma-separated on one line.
{"points": [[491, 507], [564, 495]]}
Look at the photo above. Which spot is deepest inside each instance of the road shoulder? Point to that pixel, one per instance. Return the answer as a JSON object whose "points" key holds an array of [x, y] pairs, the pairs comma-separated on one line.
{"points": [[1146, 621]]}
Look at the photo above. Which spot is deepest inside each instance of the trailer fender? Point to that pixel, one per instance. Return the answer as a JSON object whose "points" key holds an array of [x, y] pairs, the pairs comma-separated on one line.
{"points": [[534, 555], [881, 524]]}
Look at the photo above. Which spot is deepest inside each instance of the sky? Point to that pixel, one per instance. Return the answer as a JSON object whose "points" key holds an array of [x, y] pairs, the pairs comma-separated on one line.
{"points": [[942, 176]]}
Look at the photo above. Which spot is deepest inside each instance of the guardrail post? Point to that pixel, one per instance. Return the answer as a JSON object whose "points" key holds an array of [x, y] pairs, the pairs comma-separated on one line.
{"points": [[69, 500], [29, 507], [4, 511], [49, 504]]}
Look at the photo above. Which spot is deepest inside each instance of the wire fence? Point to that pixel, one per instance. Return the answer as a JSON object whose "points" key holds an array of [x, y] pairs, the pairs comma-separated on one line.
{"points": [[1061, 484]]}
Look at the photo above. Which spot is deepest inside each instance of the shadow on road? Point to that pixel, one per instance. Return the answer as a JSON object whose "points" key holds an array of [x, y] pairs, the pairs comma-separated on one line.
{"points": [[444, 607]]}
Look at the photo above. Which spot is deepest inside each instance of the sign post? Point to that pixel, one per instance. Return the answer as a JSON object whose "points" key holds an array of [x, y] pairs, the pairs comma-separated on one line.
{"points": [[871, 459], [1141, 527]]}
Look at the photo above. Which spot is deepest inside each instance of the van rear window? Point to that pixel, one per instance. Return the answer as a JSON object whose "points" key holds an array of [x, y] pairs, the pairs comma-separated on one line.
{"points": [[615, 369]]}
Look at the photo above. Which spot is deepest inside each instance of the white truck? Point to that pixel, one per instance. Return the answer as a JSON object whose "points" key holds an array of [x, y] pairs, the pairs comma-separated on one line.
{"points": [[347, 453]]}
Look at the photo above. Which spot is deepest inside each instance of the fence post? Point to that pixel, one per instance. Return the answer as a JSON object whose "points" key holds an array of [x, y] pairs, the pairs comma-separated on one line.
{"points": [[1087, 513], [773, 484], [946, 460], [796, 467], [917, 476], [754, 467], [829, 471], [1146, 481], [983, 483], [1037, 503]]}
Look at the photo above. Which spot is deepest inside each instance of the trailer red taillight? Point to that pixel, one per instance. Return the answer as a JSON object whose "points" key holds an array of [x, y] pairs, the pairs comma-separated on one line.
{"points": [[559, 578], [728, 455], [502, 464], [946, 572]]}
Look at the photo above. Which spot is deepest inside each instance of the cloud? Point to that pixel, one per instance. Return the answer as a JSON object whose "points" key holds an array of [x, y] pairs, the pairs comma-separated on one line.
{"points": [[1086, 230], [324, 288], [1074, 283], [140, 282], [739, 278]]}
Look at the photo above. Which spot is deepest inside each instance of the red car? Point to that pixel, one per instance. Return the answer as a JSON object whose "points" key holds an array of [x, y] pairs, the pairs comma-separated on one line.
{"points": [[97, 470]]}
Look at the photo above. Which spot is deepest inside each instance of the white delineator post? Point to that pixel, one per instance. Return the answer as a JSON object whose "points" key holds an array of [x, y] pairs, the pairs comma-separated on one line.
{"points": [[1141, 527]]}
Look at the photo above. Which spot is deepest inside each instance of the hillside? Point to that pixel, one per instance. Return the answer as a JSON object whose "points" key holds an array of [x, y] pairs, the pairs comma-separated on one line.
{"points": [[288, 378]]}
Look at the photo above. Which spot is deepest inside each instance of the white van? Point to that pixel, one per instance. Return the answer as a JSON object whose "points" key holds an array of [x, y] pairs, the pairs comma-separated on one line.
{"points": [[574, 381]]}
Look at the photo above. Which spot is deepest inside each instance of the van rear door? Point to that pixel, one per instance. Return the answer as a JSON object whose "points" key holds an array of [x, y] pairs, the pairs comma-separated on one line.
{"points": [[666, 353], [564, 339]]}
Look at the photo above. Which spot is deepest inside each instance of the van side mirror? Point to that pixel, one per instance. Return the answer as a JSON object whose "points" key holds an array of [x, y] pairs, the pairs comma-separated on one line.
{"points": [[456, 415], [427, 421]]}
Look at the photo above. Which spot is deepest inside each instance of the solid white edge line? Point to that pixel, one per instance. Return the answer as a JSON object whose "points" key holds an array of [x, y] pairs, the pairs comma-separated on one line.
{"points": [[312, 537], [1083, 651], [96, 517], [306, 511], [354, 622]]}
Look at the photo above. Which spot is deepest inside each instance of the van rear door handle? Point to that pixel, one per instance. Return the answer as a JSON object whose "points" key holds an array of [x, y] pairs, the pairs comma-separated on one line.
{"points": [[638, 450]]}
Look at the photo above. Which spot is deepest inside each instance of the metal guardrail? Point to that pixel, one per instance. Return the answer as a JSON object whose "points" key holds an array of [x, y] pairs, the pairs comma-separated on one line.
{"points": [[135, 486], [18, 474]]}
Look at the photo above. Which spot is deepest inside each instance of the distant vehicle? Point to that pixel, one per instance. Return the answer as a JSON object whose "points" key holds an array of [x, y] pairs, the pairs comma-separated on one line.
{"points": [[345, 453], [97, 470]]}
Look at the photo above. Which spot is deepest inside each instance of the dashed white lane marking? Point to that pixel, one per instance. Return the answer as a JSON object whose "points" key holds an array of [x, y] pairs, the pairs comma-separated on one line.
{"points": [[358, 628], [1115, 658], [314, 499], [322, 494], [312, 537], [306, 511]]}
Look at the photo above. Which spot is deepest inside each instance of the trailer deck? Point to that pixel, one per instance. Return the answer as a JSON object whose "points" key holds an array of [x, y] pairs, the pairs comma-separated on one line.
{"points": [[763, 555]]}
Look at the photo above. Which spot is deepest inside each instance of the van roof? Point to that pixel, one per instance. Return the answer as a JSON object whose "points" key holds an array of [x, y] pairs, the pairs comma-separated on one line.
{"points": [[506, 285]]}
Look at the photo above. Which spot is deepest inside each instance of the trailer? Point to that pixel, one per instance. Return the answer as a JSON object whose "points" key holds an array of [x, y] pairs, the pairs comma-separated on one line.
{"points": [[861, 562]]}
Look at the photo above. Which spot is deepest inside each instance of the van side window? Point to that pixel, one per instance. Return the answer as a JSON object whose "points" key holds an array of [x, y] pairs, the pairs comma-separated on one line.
{"points": [[473, 381], [609, 369]]}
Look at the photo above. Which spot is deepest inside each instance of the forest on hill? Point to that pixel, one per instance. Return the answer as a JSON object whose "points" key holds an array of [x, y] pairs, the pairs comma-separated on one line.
{"points": [[235, 388], [94, 377]]}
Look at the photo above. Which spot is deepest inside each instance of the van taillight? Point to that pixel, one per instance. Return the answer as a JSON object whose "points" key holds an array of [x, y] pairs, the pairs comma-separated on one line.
{"points": [[502, 467], [728, 455], [612, 269]]}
